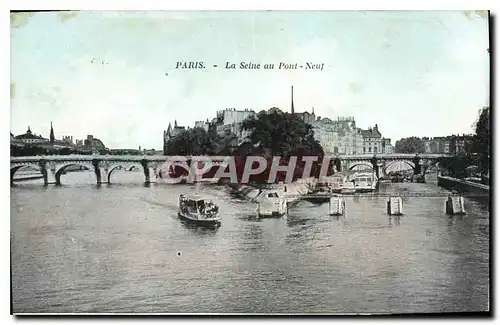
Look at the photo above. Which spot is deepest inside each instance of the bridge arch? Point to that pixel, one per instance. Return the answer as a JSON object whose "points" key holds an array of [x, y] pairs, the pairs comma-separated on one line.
{"points": [[390, 163], [127, 166], [360, 163], [14, 168], [60, 169]]}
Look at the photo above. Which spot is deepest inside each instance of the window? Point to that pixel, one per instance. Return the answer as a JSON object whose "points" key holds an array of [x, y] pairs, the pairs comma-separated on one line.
{"points": [[364, 149], [369, 149]]}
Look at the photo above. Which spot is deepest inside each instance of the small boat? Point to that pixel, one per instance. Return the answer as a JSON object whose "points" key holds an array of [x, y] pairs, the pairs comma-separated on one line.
{"points": [[271, 203], [198, 210], [321, 194], [348, 188], [365, 182]]}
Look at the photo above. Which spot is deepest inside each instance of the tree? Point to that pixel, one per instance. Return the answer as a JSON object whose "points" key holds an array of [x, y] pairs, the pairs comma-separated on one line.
{"points": [[282, 134], [481, 140], [410, 145], [191, 142]]}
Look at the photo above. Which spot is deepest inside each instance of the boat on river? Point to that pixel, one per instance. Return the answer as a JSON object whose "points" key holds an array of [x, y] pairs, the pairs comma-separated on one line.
{"points": [[198, 210], [320, 195], [272, 203], [365, 182], [348, 187]]}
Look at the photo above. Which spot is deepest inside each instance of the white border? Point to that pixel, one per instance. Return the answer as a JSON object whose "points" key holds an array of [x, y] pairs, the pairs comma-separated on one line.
{"points": [[192, 5]]}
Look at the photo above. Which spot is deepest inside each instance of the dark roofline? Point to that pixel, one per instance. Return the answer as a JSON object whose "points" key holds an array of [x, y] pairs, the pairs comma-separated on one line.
{"points": [[30, 136]]}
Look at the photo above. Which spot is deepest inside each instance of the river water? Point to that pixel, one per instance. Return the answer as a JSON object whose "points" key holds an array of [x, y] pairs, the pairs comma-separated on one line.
{"points": [[121, 248]]}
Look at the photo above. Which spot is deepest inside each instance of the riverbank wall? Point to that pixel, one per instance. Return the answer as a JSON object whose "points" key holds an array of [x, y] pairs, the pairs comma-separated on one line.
{"points": [[461, 186]]}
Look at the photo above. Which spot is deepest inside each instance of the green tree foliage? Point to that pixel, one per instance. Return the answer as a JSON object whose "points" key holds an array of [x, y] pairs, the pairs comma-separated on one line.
{"points": [[282, 134], [410, 145], [191, 142], [456, 166], [226, 144]]}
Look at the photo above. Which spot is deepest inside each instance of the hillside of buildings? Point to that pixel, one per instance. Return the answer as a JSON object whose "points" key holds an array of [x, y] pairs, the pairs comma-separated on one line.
{"points": [[227, 131]]}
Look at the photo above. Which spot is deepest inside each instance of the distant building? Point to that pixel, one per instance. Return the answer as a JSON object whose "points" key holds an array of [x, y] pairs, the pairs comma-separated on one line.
{"points": [[372, 140], [31, 138], [435, 145], [387, 147], [170, 133], [152, 152], [453, 144], [205, 125], [93, 144], [16, 142], [338, 137], [306, 117], [230, 120]]}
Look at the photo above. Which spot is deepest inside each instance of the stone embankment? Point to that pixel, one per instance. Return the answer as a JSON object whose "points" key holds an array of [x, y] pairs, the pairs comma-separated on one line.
{"points": [[292, 192]]}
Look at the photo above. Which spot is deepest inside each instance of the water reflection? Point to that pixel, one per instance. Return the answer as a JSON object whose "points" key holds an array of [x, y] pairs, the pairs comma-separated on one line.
{"points": [[198, 229], [394, 220], [294, 221], [250, 217], [125, 238]]}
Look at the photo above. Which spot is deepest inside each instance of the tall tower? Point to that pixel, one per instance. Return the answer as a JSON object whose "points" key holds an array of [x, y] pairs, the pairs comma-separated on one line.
{"points": [[51, 134], [293, 109]]}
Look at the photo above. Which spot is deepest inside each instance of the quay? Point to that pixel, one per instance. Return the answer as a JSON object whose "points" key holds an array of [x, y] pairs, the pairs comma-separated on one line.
{"points": [[451, 183]]}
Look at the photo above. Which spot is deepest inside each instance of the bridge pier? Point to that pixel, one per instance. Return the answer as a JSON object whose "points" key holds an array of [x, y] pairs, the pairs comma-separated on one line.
{"points": [[380, 172], [48, 173], [100, 171], [150, 175], [101, 174], [49, 177]]}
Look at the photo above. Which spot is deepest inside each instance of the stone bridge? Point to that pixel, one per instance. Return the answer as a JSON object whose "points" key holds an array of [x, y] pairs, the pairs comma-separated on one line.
{"points": [[53, 167], [381, 162]]}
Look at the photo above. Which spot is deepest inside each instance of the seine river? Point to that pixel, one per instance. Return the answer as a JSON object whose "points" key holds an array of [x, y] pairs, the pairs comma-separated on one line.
{"points": [[121, 248]]}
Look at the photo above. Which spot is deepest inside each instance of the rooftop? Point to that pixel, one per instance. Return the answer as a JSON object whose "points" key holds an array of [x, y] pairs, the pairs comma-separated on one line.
{"points": [[371, 133]]}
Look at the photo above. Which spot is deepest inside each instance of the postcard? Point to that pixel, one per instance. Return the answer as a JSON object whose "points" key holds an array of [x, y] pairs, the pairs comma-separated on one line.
{"points": [[250, 162]]}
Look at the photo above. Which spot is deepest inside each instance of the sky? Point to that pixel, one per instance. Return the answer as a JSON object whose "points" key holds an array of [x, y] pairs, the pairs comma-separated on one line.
{"points": [[113, 74]]}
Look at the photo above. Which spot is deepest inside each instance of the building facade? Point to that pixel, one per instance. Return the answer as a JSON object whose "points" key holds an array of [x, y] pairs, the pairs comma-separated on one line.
{"points": [[16, 142], [338, 137], [93, 144], [306, 117], [372, 140], [30, 138], [205, 125], [387, 147], [230, 120], [454, 144]]}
